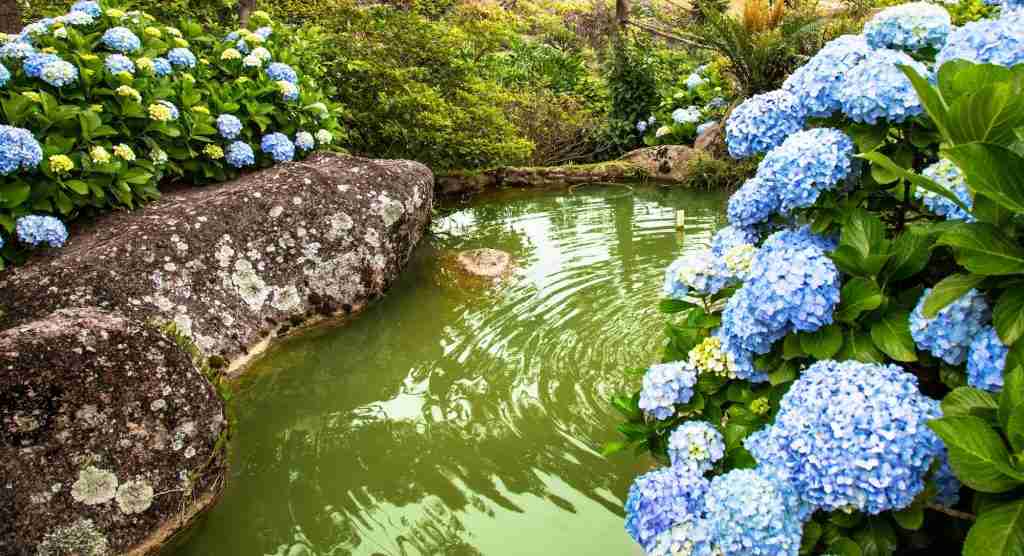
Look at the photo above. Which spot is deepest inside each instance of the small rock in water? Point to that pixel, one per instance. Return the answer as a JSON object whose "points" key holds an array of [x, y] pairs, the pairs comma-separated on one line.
{"points": [[485, 263]]}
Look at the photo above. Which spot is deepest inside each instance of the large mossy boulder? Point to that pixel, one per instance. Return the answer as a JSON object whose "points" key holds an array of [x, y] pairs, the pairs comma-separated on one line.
{"points": [[111, 434]]}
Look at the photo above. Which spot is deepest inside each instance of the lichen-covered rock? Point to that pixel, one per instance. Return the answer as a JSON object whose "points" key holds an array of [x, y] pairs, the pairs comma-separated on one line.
{"points": [[667, 162], [485, 263], [98, 413], [229, 264]]}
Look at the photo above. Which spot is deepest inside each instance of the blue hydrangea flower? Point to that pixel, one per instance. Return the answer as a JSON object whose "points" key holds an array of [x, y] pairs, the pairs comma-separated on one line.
{"points": [[242, 46], [59, 73], [16, 50], [661, 499], [910, 26], [749, 513], [282, 72], [278, 146], [717, 102], [240, 155], [702, 128], [5, 75], [232, 36], [799, 238], [77, 18], [946, 174], [689, 537], [851, 436], [697, 444], [949, 334], [806, 164], [121, 39], [817, 82], [694, 81], [641, 126], [731, 236], [700, 272], [688, 115], [229, 126], [40, 27], [986, 358], [743, 336], [948, 485], [762, 123], [304, 141], [264, 33], [751, 204], [19, 150], [162, 67], [182, 58], [666, 385], [33, 64], [989, 41], [91, 8], [36, 230], [793, 287], [117, 63], [171, 107], [876, 89]]}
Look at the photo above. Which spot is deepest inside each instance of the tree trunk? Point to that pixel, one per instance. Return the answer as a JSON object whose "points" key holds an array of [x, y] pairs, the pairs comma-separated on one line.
{"points": [[622, 13], [245, 8], [10, 16]]}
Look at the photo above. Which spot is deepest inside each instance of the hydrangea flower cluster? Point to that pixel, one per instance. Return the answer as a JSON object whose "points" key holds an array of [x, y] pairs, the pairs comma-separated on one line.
{"points": [[666, 385], [19, 150], [278, 146], [229, 126], [989, 41], [282, 72], [946, 174], [34, 63], [754, 202], [121, 39], [911, 26], [986, 359], [688, 115], [806, 164], [696, 444], [35, 230], [752, 514], [948, 335], [707, 357], [695, 81], [661, 499], [763, 122], [304, 141], [948, 485], [89, 7], [817, 82], [240, 155], [732, 236], [794, 287], [289, 91], [162, 67], [119, 63], [699, 272], [59, 73], [876, 89], [16, 50], [851, 436], [181, 58], [163, 111]]}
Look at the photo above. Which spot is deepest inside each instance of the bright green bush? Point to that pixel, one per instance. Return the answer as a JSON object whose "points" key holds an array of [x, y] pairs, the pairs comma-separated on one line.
{"points": [[109, 139], [700, 98], [634, 93]]}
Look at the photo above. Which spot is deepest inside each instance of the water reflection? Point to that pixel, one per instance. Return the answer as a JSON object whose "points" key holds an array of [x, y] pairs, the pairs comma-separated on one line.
{"points": [[445, 421]]}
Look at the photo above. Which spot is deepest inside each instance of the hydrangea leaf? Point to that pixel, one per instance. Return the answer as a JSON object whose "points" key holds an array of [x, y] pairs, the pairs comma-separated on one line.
{"points": [[977, 454], [892, 336], [858, 295], [910, 254], [812, 534], [1015, 428], [877, 158], [999, 531], [859, 347], [984, 249], [930, 98], [670, 306], [965, 401], [992, 170], [14, 193], [824, 342], [949, 290], [1012, 395], [957, 78], [1008, 316], [844, 547], [876, 537], [910, 518], [988, 114]]}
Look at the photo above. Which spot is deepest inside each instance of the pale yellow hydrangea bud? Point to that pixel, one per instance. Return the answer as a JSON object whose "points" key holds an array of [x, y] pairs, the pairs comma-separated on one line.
{"points": [[201, 109], [124, 152], [61, 164], [739, 258], [153, 32], [99, 155], [214, 152], [231, 54], [707, 357], [126, 91]]}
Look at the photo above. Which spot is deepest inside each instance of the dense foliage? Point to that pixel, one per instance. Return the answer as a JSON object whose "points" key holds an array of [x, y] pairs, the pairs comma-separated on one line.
{"points": [[102, 105], [870, 269]]}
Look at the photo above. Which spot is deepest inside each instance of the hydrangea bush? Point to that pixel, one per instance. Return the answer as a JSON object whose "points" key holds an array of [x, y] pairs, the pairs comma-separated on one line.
{"points": [[696, 104], [101, 105], [852, 339]]}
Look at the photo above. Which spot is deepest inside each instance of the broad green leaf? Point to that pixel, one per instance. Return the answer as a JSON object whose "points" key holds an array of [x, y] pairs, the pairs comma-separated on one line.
{"points": [[14, 193], [910, 254], [999, 531], [993, 171], [823, 343], [949, 290], [984, 249], [858, 295], [876, 537], [812, 533], [988, 211], [960, 77], [859, 347], [892, 336], [669, 306], [880, 159], [966, 401], [78, 186], [846, 520], [1015, 428], [989, 114], [1008, 316], [845, 547], [930, 99], [865, 233], [910, 518], [1012, 395], [976, 453]]}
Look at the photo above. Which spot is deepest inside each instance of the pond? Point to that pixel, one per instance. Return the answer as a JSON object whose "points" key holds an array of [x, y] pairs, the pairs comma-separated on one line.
{"points": [[454, 419]]}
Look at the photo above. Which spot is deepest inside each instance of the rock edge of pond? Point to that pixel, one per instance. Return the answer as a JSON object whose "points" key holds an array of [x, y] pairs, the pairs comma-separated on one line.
{"points": [[112, 437]]}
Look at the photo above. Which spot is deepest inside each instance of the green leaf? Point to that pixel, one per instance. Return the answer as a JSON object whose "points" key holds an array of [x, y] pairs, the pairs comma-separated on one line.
{"points": [[868, 137], [930, 99], [976, 453], [78, 186], [965, 401], [892, 336], [809, 540], [984, 249], [858, 295], [865, 233], [989, 113], [1012, 395], [988, 211], [844, 547], [957, 78], [612, 448], [993, 171], [782, 375], [910, 254], [910, 518], [876, 537], [877, 158], [1008, 316], [1015, 428], [846, 520], [859, 347], [14, 193], [823, 343], [999, 531], [670, 306], [947, 291]]}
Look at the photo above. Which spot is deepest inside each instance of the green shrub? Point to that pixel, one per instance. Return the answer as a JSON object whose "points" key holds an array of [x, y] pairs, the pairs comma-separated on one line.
{"points": [[109, 139], [634, 93]]}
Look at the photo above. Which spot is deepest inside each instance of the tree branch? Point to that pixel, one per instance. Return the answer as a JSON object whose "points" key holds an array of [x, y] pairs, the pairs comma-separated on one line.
{"points": [[951, 512], [667, 35]]}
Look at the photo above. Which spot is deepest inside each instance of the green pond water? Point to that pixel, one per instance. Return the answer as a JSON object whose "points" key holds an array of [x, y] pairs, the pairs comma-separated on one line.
{"points": [[449, 419]]}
